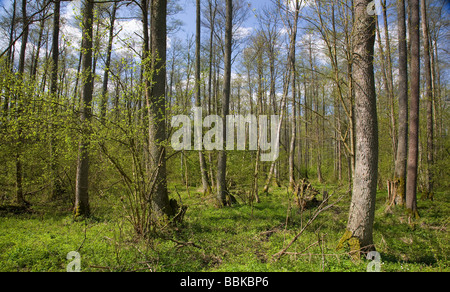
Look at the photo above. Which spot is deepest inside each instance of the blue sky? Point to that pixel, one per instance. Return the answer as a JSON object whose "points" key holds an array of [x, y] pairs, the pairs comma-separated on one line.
{"points": [[189, 10]]}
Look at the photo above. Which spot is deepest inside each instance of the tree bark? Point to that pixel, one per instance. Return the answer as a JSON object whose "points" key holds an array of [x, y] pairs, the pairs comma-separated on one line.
{"points": [[53, 95], [293, 89], [82, 207], [429, 99], [362, 208], [222, 191], [10, 58], [390, 81], [104, 96], [402, 147], [157, 108], [19, 104], [203, 168], [413, 154]]}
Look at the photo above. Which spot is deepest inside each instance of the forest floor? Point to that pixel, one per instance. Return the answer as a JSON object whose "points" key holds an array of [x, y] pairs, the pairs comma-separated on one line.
{"points": [[241, 238]]}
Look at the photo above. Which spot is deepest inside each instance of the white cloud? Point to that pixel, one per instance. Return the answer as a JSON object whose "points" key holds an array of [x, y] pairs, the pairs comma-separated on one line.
{"points": [[318, 46], [70, 30], [129, 38], [242, 32]]}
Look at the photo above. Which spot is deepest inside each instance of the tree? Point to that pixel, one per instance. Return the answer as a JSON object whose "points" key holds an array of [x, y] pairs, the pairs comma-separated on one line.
{"points": [[104, 95], [156, 103], [429, 98], [82, 207], [402, 147], [362, 208], [154, 62], [293, 40], [203, 168], [413, 153], [20, 107], [53, 93], [222, 192]]}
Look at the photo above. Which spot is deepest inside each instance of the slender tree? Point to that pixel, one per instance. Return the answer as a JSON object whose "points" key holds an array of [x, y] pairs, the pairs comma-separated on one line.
{"points": [[429, 98], [293, 40], [104, 100], [10, 56], [222, 192], [402, 147], [82, 207], [203, 167], [53, 93], [413, 153], [20, 99]]}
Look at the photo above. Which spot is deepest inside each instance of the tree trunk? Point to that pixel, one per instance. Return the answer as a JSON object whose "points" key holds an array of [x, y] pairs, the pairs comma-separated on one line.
{"points": [[19, 104], [390, 81], [386, 69], [53, 95], [429, 99], [82, 207], [10, 59], [156, 102], [362, 208], [413, 154], [203, 168], [222, 160], [402, 147], [104, 96], [293, 89], [35, 61]]}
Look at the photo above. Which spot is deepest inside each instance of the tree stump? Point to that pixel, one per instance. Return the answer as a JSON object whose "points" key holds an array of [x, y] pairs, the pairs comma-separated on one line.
{"points": [[305, 195]]}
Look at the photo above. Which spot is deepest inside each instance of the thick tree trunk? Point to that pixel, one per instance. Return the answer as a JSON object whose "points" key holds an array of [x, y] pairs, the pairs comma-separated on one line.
{"points": [[362, 208], [82, 207], [413, 154], [157, 108]]}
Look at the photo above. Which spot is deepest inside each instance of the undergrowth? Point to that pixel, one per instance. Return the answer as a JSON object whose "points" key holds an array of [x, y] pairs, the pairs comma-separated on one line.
{"points": [[239, 238]]}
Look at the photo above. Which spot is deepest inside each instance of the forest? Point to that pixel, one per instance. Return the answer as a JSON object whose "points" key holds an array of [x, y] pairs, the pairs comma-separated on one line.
{"points": [[224, 135]]}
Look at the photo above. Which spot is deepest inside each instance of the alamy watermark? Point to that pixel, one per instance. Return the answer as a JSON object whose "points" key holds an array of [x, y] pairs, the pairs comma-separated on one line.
{"points": [[375, 264], [75, 264], [261, 134], [375, 8]]}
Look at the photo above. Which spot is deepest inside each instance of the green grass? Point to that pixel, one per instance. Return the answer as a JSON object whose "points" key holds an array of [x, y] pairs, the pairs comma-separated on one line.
{"points": [[241, 238]]}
